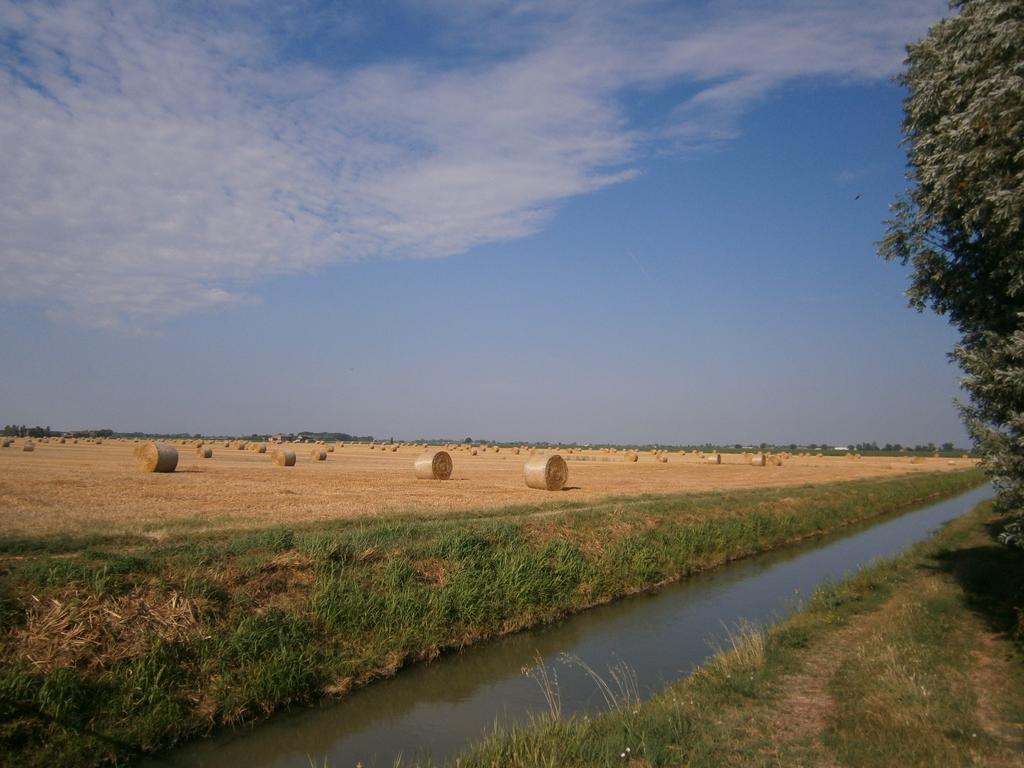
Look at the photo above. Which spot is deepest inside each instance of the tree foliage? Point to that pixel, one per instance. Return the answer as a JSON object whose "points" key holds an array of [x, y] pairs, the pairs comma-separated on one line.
{"points": [[960, 224]]}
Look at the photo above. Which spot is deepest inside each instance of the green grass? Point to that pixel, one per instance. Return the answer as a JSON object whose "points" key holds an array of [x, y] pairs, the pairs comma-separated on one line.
{"points": [[889, 659], [273, 616]]}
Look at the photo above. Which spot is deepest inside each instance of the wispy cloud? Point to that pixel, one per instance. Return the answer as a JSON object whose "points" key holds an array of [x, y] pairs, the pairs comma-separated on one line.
{"points": [[848, 176], [157, 163]]}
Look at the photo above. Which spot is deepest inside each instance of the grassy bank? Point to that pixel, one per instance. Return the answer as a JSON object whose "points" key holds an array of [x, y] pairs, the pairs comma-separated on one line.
{"points": [[113, 646], [917, 661]]}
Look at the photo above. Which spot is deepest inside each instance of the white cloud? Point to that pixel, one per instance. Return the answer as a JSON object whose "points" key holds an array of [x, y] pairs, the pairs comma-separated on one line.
{"points": [[157, 164]]}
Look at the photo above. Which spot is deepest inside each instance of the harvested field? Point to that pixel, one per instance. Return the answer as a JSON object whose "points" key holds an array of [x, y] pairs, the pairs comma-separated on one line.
{"points": [[76, 487]]}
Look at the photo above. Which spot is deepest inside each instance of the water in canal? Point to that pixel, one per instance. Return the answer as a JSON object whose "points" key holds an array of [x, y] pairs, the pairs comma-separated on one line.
{"points": [[439, 708]]}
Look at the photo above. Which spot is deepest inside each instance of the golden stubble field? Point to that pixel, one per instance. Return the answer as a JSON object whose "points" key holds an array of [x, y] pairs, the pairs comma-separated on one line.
{"points": [[80, 487]]}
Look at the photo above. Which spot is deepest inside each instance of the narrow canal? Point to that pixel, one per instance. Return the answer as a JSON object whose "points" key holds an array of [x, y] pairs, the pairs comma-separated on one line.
{"points": [[438, 709]]}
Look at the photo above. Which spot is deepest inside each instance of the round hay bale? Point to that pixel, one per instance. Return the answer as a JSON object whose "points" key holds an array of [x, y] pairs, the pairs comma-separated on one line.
{"points": [[318, 454], [663, 459], [156, 457], [632, 457], [6, 443], [758, 461], [713, 458], [62, 441], [546, 473], [330, 449], [394, 449], [206, 452], [261, 448], [435, 465], [473, 452], [283, 457], [28, 447]]}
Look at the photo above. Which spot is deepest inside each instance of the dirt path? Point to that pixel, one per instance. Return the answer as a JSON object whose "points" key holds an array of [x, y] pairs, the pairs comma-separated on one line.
{"points": [[991, 676], [805, 710]]}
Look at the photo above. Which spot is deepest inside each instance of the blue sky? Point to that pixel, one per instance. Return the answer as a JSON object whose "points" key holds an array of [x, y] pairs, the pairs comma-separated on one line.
{"points": [[632, 222]]}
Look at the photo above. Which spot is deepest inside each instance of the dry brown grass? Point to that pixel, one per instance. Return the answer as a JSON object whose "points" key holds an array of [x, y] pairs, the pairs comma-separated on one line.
{"points": [[80, 628], [64, 488]]}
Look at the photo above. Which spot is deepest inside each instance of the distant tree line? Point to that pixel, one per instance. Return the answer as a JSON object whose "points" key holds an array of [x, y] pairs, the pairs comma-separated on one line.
{"points": [[343, 437], [14, 430]]}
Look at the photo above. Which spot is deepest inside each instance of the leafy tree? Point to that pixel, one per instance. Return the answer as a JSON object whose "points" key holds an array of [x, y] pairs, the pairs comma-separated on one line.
{"points": [[959, 226]]}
